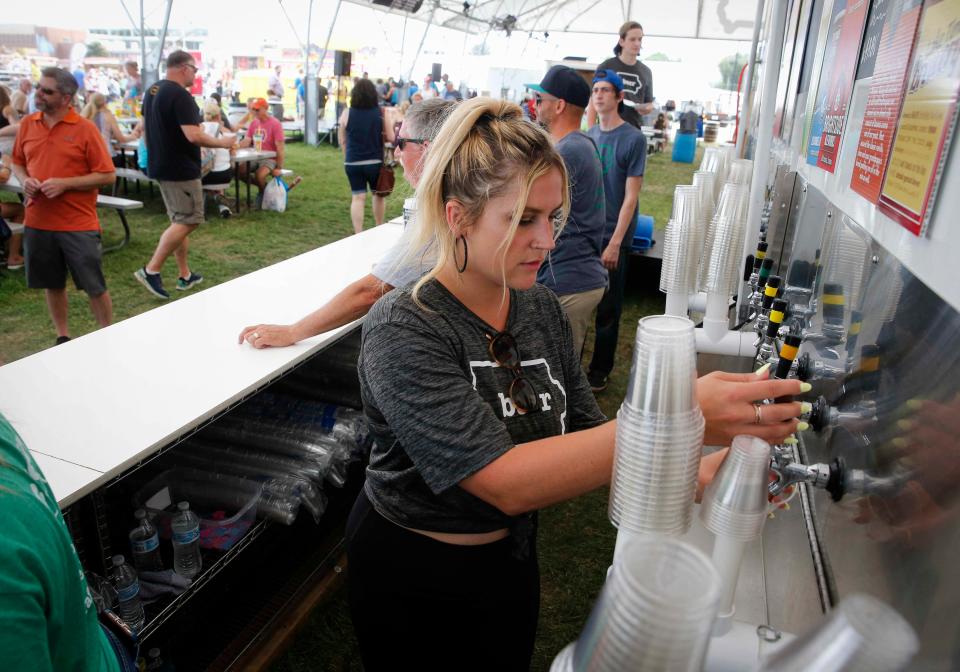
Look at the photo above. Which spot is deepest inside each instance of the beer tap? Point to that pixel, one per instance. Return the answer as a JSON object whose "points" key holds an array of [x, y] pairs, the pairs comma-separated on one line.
{"points": [[771, 291], [767, 346]]}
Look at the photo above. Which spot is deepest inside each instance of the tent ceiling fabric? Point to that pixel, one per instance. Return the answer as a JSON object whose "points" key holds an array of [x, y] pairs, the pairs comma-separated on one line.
{"points": [[704, 19]]}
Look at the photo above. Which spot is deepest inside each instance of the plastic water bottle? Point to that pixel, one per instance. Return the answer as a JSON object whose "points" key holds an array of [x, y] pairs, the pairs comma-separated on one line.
{"points": [[128, 593], [186, 542], [145, 543]]}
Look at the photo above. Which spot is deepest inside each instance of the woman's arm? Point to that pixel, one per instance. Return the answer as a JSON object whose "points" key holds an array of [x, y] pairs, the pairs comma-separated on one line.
{"points": [[342, 129], [117, 133]]}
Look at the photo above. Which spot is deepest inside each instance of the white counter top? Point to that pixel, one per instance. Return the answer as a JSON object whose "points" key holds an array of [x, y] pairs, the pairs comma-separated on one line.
{"points": [[109, 399]]}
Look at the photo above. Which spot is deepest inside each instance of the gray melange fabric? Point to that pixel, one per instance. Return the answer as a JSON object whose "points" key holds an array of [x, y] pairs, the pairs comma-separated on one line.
{"points": [[438, 408]]}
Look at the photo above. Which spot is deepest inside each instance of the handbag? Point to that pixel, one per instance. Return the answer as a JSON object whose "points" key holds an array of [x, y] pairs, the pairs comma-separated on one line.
{"points": [[386, 179]]}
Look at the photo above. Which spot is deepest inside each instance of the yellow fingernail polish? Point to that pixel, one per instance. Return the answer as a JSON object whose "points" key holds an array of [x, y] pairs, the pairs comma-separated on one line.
{"points": [[790, 441], [805, 387], [905, 424], [762, 370], [900, 442], [806, 407], [803, 426], [914, 404]]}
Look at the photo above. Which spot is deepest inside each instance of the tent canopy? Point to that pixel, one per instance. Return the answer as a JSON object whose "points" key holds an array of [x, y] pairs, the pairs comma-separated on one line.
{"points": [[702, 19]]}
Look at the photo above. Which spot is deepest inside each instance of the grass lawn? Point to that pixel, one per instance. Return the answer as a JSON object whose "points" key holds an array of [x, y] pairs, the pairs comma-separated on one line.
{"points": [[576, 539]]}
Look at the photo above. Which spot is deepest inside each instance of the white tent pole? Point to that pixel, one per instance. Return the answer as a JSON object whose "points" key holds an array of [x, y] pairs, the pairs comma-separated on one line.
{"points": [[326, 44], [163, 35], [423, 38], [403, 43], [761, 157], [143, 49], [747, 106]]}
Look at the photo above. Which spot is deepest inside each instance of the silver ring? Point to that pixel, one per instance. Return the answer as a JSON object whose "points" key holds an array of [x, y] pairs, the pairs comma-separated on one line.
{"points": [[756, 410], [256, 336]]}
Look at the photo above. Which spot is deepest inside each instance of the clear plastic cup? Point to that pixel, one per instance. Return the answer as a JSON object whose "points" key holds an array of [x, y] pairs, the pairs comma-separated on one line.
{"points": [[735, 502], [721, 266], [862, 634], [564, 660], [663, 374], [655, 612]]}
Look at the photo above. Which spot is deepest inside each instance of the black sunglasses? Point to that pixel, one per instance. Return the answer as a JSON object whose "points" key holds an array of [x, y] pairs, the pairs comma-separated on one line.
{"points": [[504, 351], [402, 142], [45, 91]]}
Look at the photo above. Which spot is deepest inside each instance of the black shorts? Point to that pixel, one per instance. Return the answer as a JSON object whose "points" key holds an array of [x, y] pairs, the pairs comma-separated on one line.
{"points": [[49, 255], [362, 177], [219, 177]]}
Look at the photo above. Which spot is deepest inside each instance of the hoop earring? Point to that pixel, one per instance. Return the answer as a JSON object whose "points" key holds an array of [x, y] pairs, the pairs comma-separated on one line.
{"points": [[460, 267]]}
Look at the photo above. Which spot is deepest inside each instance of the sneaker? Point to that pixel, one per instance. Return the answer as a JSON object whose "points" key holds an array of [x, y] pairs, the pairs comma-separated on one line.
{"points": [[61, 340], [225, 212], [183, 284], [598, 381], [153, 283]]}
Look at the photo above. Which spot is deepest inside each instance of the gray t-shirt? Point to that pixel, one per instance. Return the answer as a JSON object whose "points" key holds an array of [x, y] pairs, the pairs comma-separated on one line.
{"points": [[438, 408], [637, 87], [574, 265], [623, 154]]}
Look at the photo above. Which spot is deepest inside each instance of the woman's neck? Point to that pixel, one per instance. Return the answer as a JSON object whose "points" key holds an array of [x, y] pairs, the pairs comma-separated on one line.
{"points": [[491, 303]]}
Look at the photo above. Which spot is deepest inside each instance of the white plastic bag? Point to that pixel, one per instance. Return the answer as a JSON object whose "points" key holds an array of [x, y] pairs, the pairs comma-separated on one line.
{"points": [[275, 196]]}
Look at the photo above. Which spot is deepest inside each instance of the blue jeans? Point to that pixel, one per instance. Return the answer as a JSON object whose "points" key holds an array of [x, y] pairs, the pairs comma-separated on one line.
{"points": [[608, 319], [126, 657]]}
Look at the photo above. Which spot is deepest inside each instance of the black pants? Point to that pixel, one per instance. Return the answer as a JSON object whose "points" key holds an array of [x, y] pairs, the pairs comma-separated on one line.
{"points": [[608, 319], [420, 604]]}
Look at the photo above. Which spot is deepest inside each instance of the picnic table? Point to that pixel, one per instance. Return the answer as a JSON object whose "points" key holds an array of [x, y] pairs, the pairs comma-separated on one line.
{"points": [[246, 155]]}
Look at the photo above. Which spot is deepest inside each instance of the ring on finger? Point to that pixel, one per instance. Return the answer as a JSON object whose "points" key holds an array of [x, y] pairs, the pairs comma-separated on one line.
{"points": [[758, 417], [257, 335]]}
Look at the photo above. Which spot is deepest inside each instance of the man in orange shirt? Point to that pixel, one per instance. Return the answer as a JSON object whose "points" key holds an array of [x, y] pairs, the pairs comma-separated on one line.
{"points": [[60, 159]]}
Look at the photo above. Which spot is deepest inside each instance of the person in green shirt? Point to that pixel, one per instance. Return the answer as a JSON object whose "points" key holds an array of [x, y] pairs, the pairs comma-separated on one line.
{"points": [[48, 620]]}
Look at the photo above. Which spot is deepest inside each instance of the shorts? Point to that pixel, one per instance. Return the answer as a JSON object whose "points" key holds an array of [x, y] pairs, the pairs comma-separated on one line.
{"points": [[184, 201], [363, 176], [49, 255], [218, 177], [263, 163]]}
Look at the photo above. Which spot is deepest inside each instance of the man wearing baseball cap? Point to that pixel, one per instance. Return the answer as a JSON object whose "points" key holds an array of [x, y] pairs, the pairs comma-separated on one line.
{"points": [[265, 134], [623, 154], [573, 269]]}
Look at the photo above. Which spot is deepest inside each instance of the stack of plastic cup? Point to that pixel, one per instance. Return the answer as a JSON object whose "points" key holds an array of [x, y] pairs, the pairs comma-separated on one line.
{"points": [[564, 660], [715, 161], [681, 256], [721, 267], [735, 503], [741, 172], [655, 612], [707, 183], [659, 432], [861, 635]]}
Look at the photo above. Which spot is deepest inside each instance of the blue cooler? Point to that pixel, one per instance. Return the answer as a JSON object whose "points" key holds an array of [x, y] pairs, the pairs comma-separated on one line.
{"points": [[643, 236], [684, 147]]}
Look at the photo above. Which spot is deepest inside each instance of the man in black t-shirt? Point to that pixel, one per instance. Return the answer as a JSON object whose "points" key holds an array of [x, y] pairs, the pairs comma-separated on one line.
{"points": [[637, 77], [173, 136]]}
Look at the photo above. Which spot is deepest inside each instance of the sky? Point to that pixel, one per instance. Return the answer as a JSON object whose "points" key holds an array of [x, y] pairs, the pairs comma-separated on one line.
{"points": [[248, 23]]}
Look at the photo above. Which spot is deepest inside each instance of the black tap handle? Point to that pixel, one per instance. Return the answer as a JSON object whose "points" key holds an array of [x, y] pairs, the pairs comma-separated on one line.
{"points": [[836, 484], [748, 268], [818, 416], [804, 367]]}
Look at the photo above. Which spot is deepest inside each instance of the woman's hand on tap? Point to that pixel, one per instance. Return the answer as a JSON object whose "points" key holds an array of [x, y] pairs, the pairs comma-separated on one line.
{"points": [[730, 403]]}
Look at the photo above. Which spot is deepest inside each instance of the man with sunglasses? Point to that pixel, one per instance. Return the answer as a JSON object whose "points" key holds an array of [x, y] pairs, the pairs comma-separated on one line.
{"points": [[573, 270], [174, 136], [60, 159], [420, 126]]}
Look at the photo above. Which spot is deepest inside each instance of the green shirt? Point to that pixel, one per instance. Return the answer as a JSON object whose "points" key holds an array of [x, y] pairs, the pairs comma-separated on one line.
{"points": [[48, 620]]}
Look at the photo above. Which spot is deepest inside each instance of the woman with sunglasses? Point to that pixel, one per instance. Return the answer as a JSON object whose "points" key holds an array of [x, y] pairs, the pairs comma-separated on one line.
{"points": [[480, 412]]}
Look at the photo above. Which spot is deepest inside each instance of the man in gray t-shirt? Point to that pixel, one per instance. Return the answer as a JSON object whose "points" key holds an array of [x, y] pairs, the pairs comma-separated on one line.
{"points": [[573, 270], [623, 153]]}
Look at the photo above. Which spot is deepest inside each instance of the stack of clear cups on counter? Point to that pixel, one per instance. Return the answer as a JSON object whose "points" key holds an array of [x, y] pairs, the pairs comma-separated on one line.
{"points": [[861, 635], [659, 432], [722, 264], [715, 161], [655, 612], [741, 172], [682, 242], [707, 183]]}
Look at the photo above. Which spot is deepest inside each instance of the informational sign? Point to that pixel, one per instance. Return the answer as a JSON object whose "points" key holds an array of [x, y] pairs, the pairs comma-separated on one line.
{"points": [[876, 25], [927, 119], [840, 83], [817, 100], [885, 96]]}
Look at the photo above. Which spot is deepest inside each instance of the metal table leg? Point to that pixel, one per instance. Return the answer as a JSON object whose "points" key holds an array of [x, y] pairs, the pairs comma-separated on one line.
{"points": [[126, 233]]}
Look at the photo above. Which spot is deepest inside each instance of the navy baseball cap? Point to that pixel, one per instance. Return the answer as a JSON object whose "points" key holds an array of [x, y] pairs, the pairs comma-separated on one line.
{"points": [[609, 76], [564, 83]]}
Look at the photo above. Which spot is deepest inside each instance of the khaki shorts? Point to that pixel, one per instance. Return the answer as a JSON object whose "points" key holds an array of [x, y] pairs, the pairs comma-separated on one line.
{"points": [[263, 163], [184, 201], [580, 308]]}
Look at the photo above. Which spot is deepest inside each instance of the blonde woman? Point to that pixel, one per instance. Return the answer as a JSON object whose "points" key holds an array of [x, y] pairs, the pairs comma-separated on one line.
{"points": [[96, 110], [215, 160], [480, 412]]}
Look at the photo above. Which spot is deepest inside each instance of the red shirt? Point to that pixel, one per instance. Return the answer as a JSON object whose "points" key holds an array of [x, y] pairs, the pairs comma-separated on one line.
{"points": [[272, 133], [72, 148]]}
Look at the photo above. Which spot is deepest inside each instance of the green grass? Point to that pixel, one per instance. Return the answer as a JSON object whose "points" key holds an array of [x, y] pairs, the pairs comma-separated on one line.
{"points": [[576, 539]]}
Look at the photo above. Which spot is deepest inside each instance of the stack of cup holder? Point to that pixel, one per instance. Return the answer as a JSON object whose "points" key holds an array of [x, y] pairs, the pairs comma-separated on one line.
{"points": [[720, 269], [682, 243]]}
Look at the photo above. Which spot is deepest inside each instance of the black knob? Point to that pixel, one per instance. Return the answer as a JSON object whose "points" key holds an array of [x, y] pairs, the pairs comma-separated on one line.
{"points": [[804, 367], [819, 414], [836, 484], [749, 267]]}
